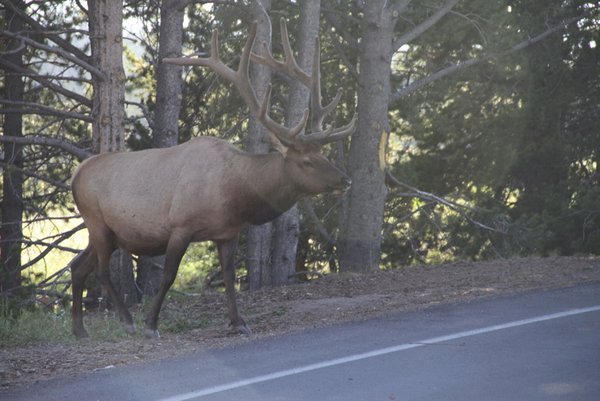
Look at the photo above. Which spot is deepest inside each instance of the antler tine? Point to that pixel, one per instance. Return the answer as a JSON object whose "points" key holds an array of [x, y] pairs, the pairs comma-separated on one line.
{"points": [[342, 132], [289, 66], [331, 134], [319, 111], [241, 80], [286, 135], [213, 61]]}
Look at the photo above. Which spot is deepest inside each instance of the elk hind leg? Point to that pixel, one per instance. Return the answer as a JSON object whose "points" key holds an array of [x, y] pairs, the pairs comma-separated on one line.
{"points": [[81, 266], [104, 251]]}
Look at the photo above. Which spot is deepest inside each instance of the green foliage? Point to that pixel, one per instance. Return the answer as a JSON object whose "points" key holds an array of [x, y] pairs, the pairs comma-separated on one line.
{"points": [[40, 325], [199, 262], [32, 325], [514, 139]]}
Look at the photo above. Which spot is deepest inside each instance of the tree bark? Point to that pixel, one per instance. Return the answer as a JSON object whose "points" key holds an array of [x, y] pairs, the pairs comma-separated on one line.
{"points": [[360, 239], [168, 76], [287, 226], [258, 238], [108, 110], [166, 116], [11, 233]]}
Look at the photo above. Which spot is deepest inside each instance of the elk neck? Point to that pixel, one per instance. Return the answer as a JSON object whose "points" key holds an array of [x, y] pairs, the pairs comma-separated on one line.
{"points": [[269, 191]]}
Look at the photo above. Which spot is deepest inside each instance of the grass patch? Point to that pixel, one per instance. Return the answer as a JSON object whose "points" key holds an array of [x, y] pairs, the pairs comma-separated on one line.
{"points": [[41, 326], [178, 314], [34, 326]]}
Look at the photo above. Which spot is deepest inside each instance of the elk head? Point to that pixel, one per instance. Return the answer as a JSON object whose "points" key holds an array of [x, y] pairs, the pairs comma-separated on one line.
{"points": [[307, 168]]}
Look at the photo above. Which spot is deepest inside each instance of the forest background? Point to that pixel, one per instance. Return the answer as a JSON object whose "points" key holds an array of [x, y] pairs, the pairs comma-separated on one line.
{"points": [[478, 129]]}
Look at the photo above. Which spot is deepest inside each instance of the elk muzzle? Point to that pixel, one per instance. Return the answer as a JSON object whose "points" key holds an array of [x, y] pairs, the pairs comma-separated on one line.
{"points": [[343, 185]]}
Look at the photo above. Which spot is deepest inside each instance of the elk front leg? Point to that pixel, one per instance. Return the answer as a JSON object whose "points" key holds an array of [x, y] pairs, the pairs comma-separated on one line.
{"points": [[226, 257]]}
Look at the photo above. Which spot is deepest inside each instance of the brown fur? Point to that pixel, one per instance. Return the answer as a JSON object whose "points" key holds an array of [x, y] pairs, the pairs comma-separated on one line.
{"points": [[157, 201]]}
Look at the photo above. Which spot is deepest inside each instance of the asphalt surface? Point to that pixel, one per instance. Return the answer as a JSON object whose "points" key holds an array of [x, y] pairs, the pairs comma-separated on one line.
{"points": [[542, 345]]}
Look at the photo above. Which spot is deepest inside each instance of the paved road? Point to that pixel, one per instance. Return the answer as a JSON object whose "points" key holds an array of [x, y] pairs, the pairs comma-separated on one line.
{"points": [[535, 346]]}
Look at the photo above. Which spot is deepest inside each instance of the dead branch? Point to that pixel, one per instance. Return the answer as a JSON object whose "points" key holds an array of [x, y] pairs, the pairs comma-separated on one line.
{"points": [[57, 50], [47, 282], [309, 209], [51, 245], [31, 174], [418, 84], [423, 26], [42, 29], [80, 153], [37, 108], [460, 209], [44, 80], [54, 245]]}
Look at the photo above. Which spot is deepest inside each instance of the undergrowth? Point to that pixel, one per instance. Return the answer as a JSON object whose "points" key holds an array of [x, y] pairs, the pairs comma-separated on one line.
{"points": [[41, 326]]}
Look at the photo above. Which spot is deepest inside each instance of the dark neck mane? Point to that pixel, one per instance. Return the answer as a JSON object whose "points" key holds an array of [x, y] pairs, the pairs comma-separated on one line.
{"points": [[269, 193]]}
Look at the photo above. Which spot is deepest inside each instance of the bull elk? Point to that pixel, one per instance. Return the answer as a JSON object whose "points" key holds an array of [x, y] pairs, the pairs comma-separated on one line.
{"points": [[157, 201]]}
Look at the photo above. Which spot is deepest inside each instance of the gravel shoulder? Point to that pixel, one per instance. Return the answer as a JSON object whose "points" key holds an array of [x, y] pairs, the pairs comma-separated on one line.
{"points": [[325, 301]]}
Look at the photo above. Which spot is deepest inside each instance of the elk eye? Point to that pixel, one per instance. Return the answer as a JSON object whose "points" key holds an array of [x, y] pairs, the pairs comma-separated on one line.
{"points": [[307, 163]]}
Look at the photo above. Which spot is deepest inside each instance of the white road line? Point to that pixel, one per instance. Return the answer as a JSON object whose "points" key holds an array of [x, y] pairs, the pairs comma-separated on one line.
{"points": [[383, 351]]}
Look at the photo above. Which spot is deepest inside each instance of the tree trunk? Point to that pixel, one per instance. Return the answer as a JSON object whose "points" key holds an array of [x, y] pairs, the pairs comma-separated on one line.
{"points": [[258, 238], [121, 274], [287, 226], [360, 242], [168, 76], [108, 111], [11, 233], [166, 116]]}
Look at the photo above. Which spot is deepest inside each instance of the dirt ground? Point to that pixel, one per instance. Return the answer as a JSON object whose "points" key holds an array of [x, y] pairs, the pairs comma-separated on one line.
{"points": [[325, 301]]}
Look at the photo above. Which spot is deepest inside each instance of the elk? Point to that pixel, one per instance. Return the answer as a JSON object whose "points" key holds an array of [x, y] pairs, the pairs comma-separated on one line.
{"points": [[157, 201]]}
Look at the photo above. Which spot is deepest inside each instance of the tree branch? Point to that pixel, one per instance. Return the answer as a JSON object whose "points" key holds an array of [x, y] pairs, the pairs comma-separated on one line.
{"points": [[50, 181], [312, 215], [336, 20], [416, 85], [43, 30], [78, 152], [53, 245], [54, 49], [423, 26], [36, 108], [398, 6], [44, 81], [460, 209]]}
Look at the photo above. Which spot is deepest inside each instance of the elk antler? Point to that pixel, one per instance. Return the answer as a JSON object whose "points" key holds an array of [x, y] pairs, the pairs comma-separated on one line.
{"points": [[278, 133], [291, 68], [241, 80]]}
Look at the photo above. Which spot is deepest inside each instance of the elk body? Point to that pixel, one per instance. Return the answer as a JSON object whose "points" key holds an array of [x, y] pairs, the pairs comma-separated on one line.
{"points": [[158, 201]]}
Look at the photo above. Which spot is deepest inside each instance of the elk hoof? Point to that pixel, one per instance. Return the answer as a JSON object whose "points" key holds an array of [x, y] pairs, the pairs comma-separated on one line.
{"points": [[151, 333], [243, 329], [80, 334], [130, 328]]}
